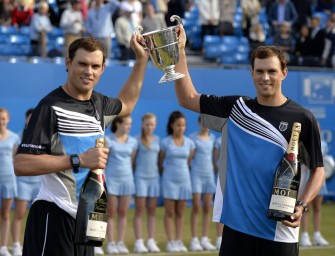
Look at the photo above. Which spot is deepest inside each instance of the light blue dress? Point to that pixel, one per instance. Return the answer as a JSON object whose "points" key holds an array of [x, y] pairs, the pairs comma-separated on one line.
{"points": [[27, 186], [119, 171], [146, 169], [202, 169], [7, 180], [176, 179]]}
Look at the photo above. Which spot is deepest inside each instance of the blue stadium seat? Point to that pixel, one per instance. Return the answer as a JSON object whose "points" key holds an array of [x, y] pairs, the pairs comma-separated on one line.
{"points": [[25, 30], [229, 40], [55, 32], [19, 39], [242, 58], [243, 48], [211, 39], [4, 39], [228, 58], [19, 45], [212, 51], [243, 40], [9, 30]]}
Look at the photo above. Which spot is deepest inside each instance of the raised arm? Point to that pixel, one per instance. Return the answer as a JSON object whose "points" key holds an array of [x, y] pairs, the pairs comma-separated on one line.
{"points": [[130, 91], [185, 91]]}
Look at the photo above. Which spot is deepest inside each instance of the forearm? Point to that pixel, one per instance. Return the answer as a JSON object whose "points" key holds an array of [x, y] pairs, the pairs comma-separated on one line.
{"points": [[313, 185], [28, 164], [186, 94], [130, 92]]}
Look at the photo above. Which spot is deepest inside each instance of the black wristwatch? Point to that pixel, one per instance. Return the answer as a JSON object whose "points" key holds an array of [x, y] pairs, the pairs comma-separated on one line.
{"points": [[75, 162], [302, 203]]}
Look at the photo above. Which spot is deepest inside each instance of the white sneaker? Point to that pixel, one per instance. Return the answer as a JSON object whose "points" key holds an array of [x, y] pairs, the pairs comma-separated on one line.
{"points": [[139, 246], [17, 249], [218, 243], [152, 246], [305, 241], [122, 248], [111, 248], [4, 251], [195, 245], [320, 241], [171, 246], [206, 244], [97, 251], [180, 246]]}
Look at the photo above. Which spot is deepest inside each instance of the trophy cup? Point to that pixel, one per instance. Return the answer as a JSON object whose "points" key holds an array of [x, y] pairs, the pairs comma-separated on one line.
{"points": [[163, 49]]}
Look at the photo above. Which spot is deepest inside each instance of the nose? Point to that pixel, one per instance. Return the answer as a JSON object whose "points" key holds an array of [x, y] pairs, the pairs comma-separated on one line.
{"points": [[88, 69], [265, 76]]}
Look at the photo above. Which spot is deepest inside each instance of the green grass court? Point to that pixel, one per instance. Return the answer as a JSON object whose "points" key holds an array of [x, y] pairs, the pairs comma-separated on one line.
{"points": [[327, 229]]}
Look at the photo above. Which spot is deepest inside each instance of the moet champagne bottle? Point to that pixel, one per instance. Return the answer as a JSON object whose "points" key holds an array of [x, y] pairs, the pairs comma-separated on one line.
{"points": [[91, 220], [286, 180]]}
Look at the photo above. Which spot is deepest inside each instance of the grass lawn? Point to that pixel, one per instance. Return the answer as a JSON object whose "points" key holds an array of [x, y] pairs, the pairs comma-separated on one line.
{"points": [[328, 231]]}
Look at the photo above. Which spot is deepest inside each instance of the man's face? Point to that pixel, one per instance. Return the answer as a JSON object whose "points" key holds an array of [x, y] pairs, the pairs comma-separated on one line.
{"points": [[268, 76], [85, 70]]}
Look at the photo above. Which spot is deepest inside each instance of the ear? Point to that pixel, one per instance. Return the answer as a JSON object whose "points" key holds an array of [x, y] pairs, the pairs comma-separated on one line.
{"points": [[284, 72], [67, 63]]}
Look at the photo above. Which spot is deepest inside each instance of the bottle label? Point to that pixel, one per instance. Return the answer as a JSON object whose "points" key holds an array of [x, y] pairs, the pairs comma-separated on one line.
{"points": [[283, 200], [96, 225]]}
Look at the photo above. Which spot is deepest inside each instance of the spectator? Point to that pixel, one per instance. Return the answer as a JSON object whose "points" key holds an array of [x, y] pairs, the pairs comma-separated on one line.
{"points": [[137, 14], [302, 47], [39, 27], [209, 17], [281, 11], [304, 10], [152, 21], [316, 44], [27, 189], [72, 23], [227, 13], [6, 10], [99, 23], [175, 7], [174, 158], [251, 10], [285, 40], [124, 28], [120, 181], [9, 142], [203, 186], [22, 15], [328, 54], [256, 37], [146, 184], [161, 9]]}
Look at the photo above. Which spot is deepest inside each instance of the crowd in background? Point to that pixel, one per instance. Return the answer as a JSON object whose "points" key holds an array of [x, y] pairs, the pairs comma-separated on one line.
{"points": [[304, 30]]}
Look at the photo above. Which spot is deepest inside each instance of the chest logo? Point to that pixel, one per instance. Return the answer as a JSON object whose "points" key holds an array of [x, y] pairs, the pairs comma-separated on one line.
{"points": [[283, 126]]}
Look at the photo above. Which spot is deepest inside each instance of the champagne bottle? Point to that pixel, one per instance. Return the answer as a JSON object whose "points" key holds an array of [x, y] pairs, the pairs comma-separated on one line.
{"points": [[91, 220], [286, 180]]}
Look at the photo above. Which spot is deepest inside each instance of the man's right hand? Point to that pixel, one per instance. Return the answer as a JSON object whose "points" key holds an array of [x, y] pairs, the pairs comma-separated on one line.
{"points": [[94, 158]]}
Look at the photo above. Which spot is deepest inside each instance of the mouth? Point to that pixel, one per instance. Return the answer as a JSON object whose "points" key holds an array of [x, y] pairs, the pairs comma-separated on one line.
{"points": [[86, 80]]}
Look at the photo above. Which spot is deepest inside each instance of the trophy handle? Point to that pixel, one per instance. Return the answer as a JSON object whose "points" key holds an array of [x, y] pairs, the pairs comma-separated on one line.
{"points": [[173, 18]]}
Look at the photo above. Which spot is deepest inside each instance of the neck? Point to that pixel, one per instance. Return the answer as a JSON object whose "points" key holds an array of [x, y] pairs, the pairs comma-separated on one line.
{"points": [[74, 93], [272, 101]]}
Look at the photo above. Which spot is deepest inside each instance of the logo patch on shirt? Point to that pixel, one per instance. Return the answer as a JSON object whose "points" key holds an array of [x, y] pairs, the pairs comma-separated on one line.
{"points": [[283, 126]]}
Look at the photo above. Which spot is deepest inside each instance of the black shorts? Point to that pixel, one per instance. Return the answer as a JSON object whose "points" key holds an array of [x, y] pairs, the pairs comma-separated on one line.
{"points": [[50, 232], [235, 243]]}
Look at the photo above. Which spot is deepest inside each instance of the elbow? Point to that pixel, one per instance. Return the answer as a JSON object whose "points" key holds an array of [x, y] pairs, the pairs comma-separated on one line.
{"points": [[18, 166]]}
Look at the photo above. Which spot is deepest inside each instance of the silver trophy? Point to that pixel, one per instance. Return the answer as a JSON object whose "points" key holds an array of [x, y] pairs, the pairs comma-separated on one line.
{"points": [[163, 49]]}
